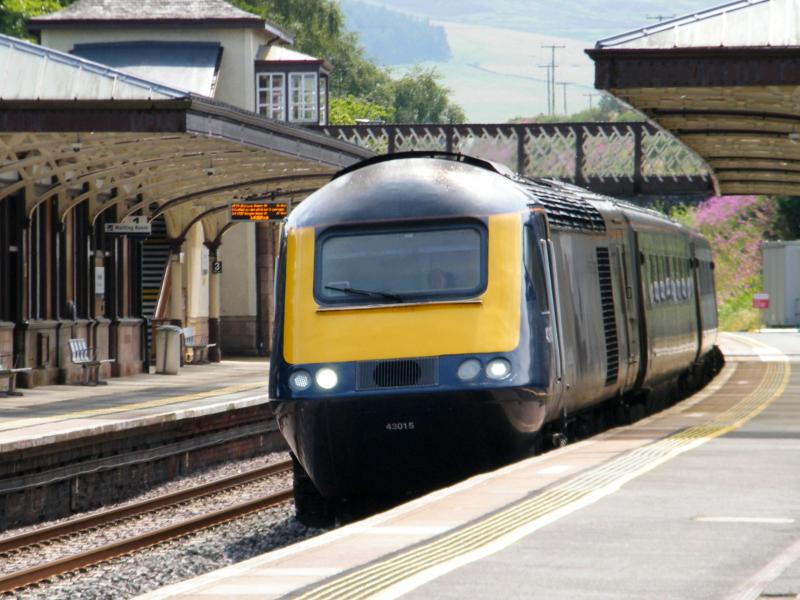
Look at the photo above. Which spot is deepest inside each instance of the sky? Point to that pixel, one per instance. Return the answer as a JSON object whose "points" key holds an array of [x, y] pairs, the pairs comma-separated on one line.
{"points": [[501, 49]]}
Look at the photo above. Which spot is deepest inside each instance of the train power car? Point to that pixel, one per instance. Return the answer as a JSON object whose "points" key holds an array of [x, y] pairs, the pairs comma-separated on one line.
{"points": [[435, 312]]}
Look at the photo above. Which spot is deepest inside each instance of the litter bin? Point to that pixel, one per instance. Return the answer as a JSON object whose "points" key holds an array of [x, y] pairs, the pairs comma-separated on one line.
{"points": [[168, 349]]}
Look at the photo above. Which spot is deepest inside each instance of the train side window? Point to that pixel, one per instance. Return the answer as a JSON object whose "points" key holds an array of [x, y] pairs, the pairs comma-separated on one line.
{"points": [[687, 278], [668, 278], [654, 279], [659, 279], [535, 268]]}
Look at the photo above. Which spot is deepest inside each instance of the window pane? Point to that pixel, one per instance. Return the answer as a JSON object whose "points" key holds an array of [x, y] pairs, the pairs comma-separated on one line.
{"points": [[323, 101], [414, 264], [303, 97], [270, 95]]}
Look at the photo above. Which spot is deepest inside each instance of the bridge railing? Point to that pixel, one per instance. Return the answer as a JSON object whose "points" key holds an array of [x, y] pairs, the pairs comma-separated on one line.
{"points": [[614, 158]]}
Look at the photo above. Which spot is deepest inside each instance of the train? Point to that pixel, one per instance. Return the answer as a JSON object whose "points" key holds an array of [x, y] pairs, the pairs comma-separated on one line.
{"points": [[436, 313]]}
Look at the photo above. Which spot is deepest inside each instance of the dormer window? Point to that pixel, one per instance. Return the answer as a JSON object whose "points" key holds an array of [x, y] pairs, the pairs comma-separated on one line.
{"points": [[291, 86], [303, 97]]}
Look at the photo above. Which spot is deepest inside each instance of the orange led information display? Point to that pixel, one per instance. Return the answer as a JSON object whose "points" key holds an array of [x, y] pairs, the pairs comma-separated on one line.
{"points": [[259, 211]]}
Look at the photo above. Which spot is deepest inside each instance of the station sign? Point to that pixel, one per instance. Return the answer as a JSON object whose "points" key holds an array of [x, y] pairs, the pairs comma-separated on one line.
{"points": [[259, 211], [129, 226], [761, 300]]}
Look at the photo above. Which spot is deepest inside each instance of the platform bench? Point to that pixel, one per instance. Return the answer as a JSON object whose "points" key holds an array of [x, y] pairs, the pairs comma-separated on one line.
{"points": [[8, 371], [198, 345], [87, 358]]}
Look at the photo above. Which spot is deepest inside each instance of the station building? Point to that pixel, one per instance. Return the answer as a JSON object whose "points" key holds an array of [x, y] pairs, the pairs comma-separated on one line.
{"points": [[164, 110]]}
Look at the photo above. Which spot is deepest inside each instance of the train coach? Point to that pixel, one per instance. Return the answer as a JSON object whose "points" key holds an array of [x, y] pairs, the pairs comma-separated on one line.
{"points": [[436, 313]]}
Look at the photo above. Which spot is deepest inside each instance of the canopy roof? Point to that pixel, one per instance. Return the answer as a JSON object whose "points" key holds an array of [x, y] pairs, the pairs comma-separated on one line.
{"points": [[190, 66], [726, 82], [142, 148]]}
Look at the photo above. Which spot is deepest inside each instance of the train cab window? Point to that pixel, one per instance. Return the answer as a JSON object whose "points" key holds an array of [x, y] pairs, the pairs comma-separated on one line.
{"points": [[358, 266]]}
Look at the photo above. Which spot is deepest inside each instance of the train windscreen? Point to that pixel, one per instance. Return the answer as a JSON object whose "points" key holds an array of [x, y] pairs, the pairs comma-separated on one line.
{"points": [[401, 264]]}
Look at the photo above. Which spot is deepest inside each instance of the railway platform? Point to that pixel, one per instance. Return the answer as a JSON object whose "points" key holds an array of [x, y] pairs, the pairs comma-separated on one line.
{"points": [[52, 413], [698, 501], [69, 448]]}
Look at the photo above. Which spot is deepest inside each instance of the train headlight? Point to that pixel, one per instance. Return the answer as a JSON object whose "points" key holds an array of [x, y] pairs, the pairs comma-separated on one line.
{"points": [[327, 378], [469, 369], [300, 380], [498, 368]]}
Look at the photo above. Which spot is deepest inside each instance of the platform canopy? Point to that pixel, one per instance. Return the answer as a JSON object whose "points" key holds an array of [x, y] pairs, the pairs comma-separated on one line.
{"points": [[78, 130], [726, 82]]}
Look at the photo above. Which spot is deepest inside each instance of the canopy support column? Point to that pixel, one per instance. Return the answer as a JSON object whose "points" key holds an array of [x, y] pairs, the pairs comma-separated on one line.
{"points": [[175, 308], [214, 331]]}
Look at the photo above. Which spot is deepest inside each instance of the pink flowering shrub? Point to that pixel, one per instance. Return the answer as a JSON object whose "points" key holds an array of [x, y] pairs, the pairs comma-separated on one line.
{"points": [[736, 226]]}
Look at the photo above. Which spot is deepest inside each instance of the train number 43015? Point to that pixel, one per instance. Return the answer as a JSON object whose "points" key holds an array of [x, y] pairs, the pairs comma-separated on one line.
{"points": [[400, 426]]}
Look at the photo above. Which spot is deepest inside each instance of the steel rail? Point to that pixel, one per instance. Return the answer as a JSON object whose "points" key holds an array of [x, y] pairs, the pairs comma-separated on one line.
{"points": [[36, 574], [60, 566], [45, 534]]}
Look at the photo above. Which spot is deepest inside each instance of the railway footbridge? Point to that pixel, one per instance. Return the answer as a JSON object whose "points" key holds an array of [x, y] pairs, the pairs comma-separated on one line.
{"points": [[619, 159]]}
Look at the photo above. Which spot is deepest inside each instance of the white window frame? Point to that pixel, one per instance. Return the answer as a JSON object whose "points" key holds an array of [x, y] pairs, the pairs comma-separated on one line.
{"points": [[323, 100], [269, 109], [299, 111]]}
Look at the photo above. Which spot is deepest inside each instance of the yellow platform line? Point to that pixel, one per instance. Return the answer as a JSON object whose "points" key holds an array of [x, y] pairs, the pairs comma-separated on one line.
{"points": [[393, 576], [109, 410]]}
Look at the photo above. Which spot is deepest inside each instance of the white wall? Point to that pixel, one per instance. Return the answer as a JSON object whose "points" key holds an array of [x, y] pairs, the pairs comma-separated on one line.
{"points": [[236, 84]]}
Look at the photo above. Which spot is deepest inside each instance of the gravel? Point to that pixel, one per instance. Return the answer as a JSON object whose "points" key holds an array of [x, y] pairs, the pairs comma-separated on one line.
{"points": [[129, 576], [220, 471]]}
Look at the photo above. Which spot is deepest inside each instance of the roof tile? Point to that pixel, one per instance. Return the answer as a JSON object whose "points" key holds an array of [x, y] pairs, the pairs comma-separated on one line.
{"points": [[103, 10]]}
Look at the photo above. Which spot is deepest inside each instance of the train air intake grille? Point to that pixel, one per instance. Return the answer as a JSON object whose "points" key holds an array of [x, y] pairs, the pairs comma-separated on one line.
{"points": [[402, 372], [609, 316]]}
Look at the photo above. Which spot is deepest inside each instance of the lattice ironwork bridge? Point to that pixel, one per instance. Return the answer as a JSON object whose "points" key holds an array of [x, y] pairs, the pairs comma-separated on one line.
{"points": [[621, 159]]}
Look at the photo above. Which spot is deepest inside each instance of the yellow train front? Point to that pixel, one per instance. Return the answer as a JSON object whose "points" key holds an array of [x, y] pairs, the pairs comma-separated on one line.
{"points": [[409, 346]]}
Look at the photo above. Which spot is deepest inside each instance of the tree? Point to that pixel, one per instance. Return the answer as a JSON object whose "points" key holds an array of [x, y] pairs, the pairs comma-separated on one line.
{"points": [[348, 109], [420, 99], [787, 223], [13, 14]]}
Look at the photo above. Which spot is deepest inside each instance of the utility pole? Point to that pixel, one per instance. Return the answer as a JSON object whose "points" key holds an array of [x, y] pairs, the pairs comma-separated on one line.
{"points": [[591, 99], [552, 78], [564, 89], [549, 104]]}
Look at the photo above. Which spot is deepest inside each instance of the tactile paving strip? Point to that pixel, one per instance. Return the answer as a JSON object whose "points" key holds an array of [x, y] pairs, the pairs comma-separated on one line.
{"points": [[392, 575]]}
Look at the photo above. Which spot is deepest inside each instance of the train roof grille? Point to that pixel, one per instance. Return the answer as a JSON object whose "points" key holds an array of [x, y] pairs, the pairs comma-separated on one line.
{"points": [[566, 206]]}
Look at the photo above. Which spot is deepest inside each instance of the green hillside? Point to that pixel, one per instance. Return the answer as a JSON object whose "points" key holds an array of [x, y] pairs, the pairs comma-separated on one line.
{"points": [[391, 37], [588, 20]]}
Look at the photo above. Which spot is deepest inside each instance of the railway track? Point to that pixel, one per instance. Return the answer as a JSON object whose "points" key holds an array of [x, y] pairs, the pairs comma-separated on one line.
{"points": [[73, 528]]}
